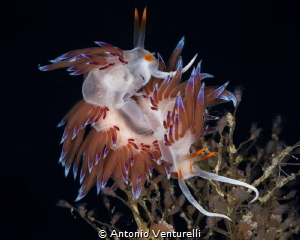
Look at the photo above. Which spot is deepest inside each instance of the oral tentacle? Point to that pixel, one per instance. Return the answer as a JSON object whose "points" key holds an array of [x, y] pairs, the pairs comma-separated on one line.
{"points": [[193, 201], [219, 178]]}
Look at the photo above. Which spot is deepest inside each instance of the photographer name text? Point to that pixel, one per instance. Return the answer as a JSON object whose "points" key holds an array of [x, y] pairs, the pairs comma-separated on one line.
{"points": [[195, 233]]}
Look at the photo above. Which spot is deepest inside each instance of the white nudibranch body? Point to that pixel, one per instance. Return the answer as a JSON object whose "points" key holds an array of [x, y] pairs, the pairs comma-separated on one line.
{"points": [[121, 80], [142, 117]]}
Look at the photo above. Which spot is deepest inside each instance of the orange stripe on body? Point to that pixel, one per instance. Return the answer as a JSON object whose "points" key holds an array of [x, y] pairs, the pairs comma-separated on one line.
{"points": [[191, 168], [180, 174]]}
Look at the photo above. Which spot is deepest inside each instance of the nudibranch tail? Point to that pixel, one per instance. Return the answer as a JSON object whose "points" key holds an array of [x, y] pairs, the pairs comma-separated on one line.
{"points": [[141, 117]]}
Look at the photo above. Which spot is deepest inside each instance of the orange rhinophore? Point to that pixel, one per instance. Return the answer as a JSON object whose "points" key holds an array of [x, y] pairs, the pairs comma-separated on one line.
{"points": [[141, 116]]}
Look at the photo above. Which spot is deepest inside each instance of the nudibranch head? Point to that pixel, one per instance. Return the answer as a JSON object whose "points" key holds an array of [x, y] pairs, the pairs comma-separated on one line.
{"points": [[142, 64], [142, 117]]}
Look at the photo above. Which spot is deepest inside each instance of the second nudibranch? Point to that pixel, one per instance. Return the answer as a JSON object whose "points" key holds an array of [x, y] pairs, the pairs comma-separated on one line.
{"points": [[142, 117]]}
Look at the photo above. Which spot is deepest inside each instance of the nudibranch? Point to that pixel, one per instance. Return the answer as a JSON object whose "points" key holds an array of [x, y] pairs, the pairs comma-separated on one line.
{"points": [[142, 117]]}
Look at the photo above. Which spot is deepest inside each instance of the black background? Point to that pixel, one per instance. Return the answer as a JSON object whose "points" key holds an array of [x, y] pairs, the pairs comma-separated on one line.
{"points": [[251, 44]]}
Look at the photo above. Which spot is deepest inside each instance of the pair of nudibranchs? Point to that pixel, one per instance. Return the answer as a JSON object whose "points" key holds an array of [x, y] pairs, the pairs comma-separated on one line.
{"points": [[141, 116]]}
